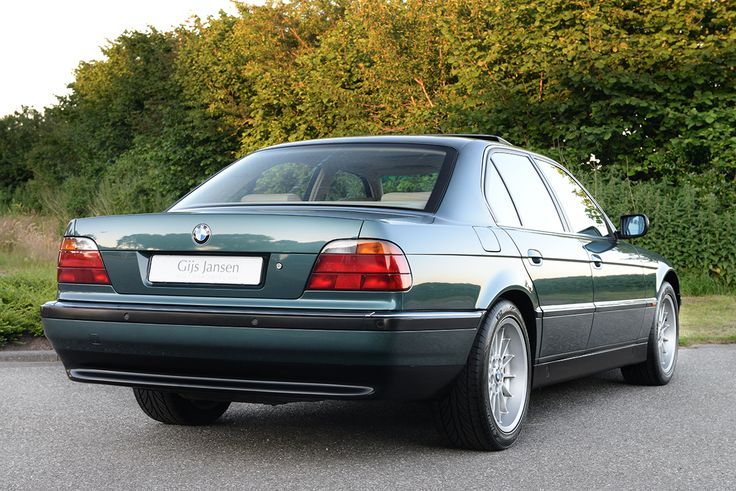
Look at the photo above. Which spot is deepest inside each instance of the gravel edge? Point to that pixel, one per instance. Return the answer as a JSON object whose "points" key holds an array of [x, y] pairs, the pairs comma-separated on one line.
{"points": [[34, 355]]}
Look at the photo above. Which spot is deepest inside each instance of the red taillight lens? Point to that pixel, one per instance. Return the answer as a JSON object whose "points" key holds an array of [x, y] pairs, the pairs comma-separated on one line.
{"points": [[80, 262], [361, 265]]}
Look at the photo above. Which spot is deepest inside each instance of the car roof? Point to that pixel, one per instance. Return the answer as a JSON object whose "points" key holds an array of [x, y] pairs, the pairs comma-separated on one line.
{"points": [[456, 141]]}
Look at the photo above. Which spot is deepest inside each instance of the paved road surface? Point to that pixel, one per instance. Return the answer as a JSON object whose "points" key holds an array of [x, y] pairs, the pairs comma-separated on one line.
{"points": [[592, 433]]}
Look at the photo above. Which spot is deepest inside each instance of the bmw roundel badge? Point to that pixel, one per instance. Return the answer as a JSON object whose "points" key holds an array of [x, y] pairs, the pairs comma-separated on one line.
{"points": [[201, 233]]}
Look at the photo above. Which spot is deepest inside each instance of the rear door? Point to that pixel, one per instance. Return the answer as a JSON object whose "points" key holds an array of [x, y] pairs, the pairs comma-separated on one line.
{"points": [[556, 261], [618, 279]]}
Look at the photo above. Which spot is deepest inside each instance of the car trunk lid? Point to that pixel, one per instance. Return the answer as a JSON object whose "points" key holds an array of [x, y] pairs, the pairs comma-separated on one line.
{"points": [[287, 244]]}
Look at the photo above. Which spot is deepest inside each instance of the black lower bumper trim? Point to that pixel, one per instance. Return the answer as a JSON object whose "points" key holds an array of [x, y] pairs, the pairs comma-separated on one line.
{"points": [[188, 383], [236, 317]]}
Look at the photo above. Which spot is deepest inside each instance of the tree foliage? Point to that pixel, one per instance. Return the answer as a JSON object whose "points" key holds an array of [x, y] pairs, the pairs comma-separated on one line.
{"points": [[646, 86]]}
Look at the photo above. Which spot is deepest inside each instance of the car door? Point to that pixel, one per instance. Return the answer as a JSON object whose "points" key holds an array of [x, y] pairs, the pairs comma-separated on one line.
{"points": [[619, 288], [555, 260]]}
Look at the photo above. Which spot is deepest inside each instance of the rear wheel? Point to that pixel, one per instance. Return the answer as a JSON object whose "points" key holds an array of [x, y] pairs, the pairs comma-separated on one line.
{"points": [[173, 409], [662, 347], [487, 403]]}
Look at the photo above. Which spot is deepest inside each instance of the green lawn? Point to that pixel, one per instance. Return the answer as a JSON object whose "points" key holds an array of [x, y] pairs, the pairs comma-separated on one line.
{"points": [[708, 319]]}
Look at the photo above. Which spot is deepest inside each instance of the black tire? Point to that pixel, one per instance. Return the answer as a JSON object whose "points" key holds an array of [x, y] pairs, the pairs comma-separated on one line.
{"points": [[464, 415], [651, 371], [173, 409]]}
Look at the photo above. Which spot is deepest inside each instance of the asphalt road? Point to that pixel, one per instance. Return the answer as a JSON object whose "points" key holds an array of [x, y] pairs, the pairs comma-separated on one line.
{"points": [[592, 433]]}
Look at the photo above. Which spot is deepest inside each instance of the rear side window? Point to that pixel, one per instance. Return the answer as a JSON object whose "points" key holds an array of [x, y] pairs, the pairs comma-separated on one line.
{"points": [[499, 199], [582, 213], [388, 175], [533, 203]]}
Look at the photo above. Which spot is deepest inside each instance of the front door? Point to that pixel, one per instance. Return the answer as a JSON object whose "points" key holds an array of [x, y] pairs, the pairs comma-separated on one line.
{"points": [[620, 292], [619, 289]]}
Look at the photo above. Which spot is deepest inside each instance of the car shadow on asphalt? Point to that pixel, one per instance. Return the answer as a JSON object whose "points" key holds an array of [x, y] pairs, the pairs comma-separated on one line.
{"points": [[370, 427]]}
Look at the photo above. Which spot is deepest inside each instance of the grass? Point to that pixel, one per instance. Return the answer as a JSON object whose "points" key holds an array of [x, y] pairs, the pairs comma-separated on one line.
{"points": [[28, 250], [708, 319], [698, 285], [28, 239]]}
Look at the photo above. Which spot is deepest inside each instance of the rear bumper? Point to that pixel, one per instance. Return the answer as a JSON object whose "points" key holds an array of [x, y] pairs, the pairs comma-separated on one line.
{"points": [[262, 355]]}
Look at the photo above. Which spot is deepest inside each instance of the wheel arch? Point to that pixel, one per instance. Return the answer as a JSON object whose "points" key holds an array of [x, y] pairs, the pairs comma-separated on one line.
{"points": [[526, 304], [671, 277]]}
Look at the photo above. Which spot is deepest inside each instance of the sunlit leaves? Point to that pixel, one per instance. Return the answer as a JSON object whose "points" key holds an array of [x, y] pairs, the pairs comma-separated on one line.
{"points": [[646, 86]]}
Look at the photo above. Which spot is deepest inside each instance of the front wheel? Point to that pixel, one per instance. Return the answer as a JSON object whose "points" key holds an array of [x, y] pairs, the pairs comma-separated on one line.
{"points": [[662, 346], [486, 405], [173, 409]]}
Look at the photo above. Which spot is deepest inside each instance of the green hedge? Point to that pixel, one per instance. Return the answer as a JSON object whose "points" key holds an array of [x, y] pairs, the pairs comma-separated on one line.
{"points": [[688, 226], [21, 295]]}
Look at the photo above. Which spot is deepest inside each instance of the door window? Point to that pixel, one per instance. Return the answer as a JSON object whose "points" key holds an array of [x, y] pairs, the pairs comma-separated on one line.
{"points": [[533, 203], [582, 213]]}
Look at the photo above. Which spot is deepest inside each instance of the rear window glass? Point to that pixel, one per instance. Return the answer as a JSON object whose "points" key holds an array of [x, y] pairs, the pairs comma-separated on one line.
{"points": [[399, 176]]}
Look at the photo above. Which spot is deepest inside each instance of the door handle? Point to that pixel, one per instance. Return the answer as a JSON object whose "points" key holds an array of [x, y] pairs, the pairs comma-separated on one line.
{"points": [[535, 257], [597, 261]]}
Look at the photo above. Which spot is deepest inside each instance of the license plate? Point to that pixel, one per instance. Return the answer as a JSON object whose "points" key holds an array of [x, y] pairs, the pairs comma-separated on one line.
{"points": [[214, 270]]}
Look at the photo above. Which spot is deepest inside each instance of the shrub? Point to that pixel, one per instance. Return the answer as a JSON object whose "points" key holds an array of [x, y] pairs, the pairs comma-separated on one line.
{"points": [[27, 277], [21, 295], [689, 226]]}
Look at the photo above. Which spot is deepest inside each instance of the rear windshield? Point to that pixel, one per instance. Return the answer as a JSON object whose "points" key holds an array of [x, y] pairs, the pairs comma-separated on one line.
{"points": [[388, 175]]}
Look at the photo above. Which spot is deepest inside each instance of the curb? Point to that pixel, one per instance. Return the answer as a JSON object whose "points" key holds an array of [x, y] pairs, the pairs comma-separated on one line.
{"points": [[33, 356]]}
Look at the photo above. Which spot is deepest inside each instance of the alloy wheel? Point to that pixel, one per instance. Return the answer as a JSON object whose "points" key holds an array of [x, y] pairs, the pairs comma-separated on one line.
{"points": [[666, 333], [508, 373]]}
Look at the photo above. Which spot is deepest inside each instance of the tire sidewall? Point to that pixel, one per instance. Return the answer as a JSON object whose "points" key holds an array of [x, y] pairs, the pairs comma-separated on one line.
{"points": [[497, 315], [172, 408]]}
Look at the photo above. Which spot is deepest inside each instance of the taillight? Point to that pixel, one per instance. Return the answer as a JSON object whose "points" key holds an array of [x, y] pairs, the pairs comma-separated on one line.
{"points": [[80, 262], [361, 264]]}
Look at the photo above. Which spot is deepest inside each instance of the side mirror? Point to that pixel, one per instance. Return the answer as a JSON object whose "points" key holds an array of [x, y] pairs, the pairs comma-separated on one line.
{"points": [[633, 226]]}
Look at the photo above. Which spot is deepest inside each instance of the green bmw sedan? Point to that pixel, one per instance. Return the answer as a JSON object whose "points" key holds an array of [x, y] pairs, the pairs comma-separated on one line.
{"points": [[457, 269]]}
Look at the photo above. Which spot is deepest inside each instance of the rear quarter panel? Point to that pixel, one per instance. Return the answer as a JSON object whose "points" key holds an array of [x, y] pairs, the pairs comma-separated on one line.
{"points": [[450, 268]]}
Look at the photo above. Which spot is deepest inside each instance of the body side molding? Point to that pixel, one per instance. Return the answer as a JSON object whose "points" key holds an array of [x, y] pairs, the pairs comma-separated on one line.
{"points": [[588, 364]]}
